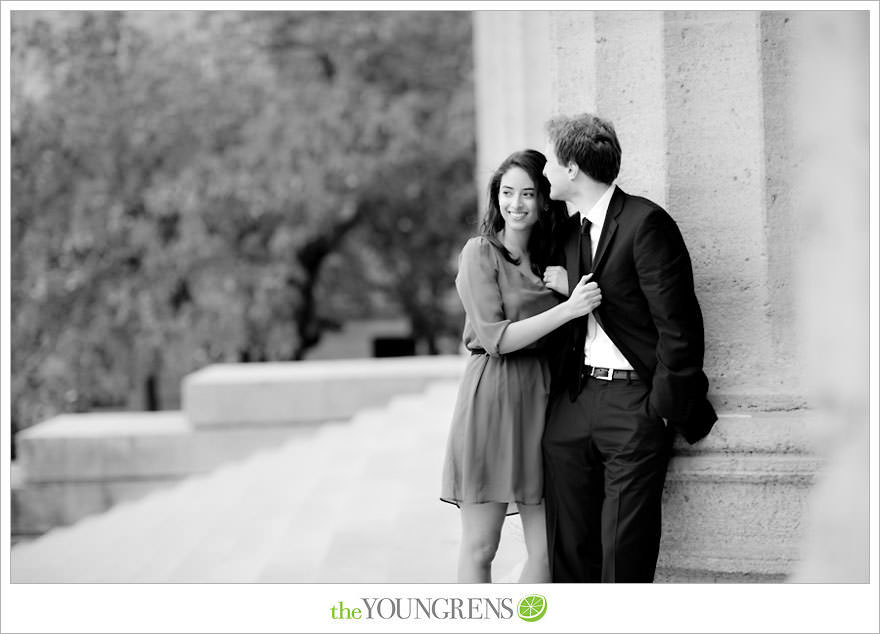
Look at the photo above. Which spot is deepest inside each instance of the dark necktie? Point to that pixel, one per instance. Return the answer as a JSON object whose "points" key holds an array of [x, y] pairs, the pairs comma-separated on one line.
{"points": [[585, 247]]}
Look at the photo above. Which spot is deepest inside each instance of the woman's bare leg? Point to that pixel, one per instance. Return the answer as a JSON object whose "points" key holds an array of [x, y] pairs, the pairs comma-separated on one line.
{"points": [[480, 532], [537, 568]]}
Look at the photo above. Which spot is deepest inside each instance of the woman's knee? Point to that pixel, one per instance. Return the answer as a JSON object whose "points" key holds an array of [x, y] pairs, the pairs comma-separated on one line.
{"points": [[480, 549]]}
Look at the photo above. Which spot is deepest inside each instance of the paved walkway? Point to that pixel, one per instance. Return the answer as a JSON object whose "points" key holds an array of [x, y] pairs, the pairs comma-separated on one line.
{"points": [[355, 503]]}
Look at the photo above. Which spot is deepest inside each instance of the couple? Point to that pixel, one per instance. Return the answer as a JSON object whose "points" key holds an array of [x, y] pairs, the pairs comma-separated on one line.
{"points": [[586, 343]]}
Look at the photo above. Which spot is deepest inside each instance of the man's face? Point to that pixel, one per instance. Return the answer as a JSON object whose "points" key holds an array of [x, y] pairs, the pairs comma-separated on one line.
{"points": [[555, 173]]}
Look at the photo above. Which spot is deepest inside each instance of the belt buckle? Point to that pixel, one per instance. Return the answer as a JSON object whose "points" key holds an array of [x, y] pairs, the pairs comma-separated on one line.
{"points": [[607, 374]]}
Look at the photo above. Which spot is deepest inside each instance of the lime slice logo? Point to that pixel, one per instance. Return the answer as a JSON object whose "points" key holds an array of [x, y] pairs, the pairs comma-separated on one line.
{"points": [[532, 608]]}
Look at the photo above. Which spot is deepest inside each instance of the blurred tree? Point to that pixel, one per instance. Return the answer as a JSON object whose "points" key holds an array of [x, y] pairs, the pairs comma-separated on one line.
{"points": [[424, 204], [181, 179]]}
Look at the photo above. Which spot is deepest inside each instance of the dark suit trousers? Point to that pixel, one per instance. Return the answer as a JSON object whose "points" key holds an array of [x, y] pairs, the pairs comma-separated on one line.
{"points": [[605, 459]]}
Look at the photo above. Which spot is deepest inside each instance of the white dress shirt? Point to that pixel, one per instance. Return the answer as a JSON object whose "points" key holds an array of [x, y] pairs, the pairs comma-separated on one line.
{"points": [[599, 351]]}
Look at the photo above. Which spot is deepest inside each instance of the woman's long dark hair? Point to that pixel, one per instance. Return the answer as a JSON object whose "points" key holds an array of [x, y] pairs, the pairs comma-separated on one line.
{"points": [[545, 238]]}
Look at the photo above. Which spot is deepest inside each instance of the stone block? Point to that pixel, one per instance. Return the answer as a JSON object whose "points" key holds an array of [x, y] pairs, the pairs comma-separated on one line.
{"points": [[291, 393], [134, 446], [76, 465], [734, 502]]}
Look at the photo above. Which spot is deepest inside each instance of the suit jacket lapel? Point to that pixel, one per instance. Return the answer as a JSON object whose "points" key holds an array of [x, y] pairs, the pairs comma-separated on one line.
{"points": [[615, 206]]}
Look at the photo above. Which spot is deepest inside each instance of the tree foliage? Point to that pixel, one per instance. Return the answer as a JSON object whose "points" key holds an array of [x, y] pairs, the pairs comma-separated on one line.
{"points": [[181, 181]]}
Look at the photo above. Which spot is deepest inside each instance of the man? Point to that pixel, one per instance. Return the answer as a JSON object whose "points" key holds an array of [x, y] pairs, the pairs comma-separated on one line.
{"points": [[627, 376]]}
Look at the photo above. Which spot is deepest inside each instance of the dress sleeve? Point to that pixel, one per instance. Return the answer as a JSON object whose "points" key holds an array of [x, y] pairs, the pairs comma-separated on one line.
{"points": [[477, 285]]}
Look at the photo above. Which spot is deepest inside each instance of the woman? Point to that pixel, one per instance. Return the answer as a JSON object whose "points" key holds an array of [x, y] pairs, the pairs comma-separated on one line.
{"points": [[493, 457]]}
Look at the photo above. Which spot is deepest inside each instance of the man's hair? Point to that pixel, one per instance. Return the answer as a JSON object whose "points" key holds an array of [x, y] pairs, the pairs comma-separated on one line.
{"points": [[589, 141]]}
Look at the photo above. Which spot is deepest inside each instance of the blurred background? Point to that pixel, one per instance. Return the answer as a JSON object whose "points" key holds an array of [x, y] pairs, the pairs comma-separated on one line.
{"points": [[236, 232], [200, 187]]}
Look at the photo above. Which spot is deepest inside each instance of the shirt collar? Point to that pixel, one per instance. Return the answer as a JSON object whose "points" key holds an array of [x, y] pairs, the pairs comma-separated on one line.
{"points": [[596, 215]]}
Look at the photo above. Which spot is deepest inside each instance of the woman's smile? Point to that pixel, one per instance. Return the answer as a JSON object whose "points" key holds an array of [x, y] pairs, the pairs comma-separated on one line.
{"points": [[517, 198]]}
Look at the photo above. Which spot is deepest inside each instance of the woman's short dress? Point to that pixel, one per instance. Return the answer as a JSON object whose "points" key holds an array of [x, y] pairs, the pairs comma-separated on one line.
{"points": [[494, 449]]}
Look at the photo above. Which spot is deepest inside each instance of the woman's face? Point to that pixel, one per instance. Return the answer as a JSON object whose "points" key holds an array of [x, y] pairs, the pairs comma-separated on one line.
{"points": [[518, 200]]}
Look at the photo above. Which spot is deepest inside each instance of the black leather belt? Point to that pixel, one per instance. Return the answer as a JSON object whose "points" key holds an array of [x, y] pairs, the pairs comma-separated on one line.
{"points": [[522, 352], [607, 374]]}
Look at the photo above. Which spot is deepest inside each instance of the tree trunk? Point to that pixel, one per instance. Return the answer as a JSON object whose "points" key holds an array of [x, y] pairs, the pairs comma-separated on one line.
{"points": [[432, 343], [151, 389], [311, 257]]}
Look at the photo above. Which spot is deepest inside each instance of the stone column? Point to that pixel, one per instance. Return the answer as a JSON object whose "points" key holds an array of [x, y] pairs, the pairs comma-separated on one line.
{"points": [[514, 88], [631, 92], [573, 65], [717, 192]]}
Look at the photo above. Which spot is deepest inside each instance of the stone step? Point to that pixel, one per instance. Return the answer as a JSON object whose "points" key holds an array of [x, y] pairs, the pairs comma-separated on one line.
{"points": [[224, 534], [229, 534], [361, 497], [394, 501], [254, 521], [101, 548], [412, 539], [163, 535], [304, 517]]}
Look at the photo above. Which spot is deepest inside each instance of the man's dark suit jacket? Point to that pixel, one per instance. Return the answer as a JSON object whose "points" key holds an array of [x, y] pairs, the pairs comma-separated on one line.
{"points": [[649, 311]]}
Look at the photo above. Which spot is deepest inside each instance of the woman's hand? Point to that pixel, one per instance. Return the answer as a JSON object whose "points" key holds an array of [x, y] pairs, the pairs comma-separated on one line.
{"points": [[556, 279], [585, 297]]}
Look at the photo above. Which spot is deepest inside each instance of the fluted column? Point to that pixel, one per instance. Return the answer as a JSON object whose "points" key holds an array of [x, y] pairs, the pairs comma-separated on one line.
{"points": [[630, 72], [717, 184], [514, 88]]}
